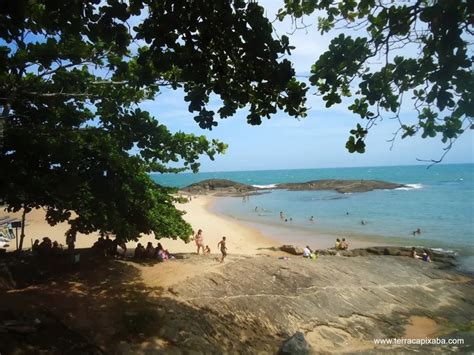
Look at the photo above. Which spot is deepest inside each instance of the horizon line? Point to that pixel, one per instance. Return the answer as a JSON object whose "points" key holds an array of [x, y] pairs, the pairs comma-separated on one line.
{"points": [[428, 165]]}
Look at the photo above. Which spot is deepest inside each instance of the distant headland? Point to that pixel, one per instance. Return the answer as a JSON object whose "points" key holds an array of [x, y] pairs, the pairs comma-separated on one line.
{"points": [[223, 187]]}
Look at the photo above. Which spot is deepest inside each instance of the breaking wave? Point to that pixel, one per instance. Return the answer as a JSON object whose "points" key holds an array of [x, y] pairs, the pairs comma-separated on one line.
{"points": [[270, 186], [408, 187]]}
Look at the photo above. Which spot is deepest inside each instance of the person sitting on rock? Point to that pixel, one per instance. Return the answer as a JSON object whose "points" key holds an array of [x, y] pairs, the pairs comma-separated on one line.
{"points": [[307, 252], [99, 246], [338, 244], [109, 246], [139, 251], [344, 245], [413, 254], [56, 249], [163, 255], [149, 251], [426, 257], [44, 248], [158, 249]]}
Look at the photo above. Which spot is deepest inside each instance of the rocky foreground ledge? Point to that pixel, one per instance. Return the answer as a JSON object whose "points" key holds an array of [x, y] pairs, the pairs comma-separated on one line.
{"points": [[232, 188], [445, 259], [248, 305], [339, 304]]}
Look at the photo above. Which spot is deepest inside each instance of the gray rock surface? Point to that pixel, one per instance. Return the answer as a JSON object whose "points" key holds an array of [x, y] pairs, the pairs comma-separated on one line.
{"points": [[338, 303], [447, 259], [342, 186]]}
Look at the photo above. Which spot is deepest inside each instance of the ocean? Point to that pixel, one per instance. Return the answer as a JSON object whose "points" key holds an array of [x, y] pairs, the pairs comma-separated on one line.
{"points": [[438, 200]]}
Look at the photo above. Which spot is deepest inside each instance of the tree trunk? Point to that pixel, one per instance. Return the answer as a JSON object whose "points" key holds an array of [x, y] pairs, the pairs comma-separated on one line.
{"points": [[22, 234]]}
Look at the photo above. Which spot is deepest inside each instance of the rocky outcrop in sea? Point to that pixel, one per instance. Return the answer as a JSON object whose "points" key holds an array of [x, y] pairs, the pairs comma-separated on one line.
{"points": [[232, 188]]}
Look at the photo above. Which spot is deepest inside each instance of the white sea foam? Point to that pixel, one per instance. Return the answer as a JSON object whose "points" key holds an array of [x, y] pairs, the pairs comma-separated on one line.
{"points": [[408, 187], [445, 251], [270, 186]]}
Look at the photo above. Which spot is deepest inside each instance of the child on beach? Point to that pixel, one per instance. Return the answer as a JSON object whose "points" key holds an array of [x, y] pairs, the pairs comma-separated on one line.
{"points": [[207, 250], [223, 248]]}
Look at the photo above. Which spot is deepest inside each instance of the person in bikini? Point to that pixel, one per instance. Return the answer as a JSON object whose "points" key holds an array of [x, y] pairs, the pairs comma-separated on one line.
{"points": [[199, 241]]}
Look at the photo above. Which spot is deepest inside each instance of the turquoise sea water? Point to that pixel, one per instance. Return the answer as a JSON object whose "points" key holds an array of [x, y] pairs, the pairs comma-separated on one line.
{"points": [[438, 200]]}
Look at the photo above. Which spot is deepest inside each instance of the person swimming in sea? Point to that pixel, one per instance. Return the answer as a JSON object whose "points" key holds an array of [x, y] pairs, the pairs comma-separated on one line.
{"points": [[311, 219]]}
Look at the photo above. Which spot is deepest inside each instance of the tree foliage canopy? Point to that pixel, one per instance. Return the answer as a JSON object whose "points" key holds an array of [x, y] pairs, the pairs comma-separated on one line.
{"points": [[74, 140], [426, 52], [72, 74]]}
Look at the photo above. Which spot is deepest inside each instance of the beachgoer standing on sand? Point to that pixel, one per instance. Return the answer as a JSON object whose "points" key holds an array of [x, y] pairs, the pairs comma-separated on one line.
{"points": [[199, 241], [281, 215], [223, 248]]}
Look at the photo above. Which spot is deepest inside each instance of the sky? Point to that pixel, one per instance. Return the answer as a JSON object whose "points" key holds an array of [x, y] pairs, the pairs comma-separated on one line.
{"points": [[317, 141]]}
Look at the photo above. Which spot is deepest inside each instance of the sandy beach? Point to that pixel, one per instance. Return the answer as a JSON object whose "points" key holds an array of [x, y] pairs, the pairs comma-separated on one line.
{"points": [[241, 239]]}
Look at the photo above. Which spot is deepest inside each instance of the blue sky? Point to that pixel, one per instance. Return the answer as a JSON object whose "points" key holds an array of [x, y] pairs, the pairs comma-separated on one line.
{"points": [[314, 142]]}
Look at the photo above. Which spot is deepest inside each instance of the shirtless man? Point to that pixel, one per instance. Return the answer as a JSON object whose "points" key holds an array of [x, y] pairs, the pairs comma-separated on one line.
{"points": [[223, 248]]}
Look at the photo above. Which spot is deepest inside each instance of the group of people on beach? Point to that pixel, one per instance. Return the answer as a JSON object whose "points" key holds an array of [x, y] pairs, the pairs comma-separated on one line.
{"points": [[104, 246], [46, 247], [199, 240], [152, 253]]}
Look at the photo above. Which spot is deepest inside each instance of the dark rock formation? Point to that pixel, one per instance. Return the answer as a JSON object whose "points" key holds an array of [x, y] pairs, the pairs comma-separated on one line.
{"points": [[219, 187], [296, 344], [232, 188], [342, 186]]}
